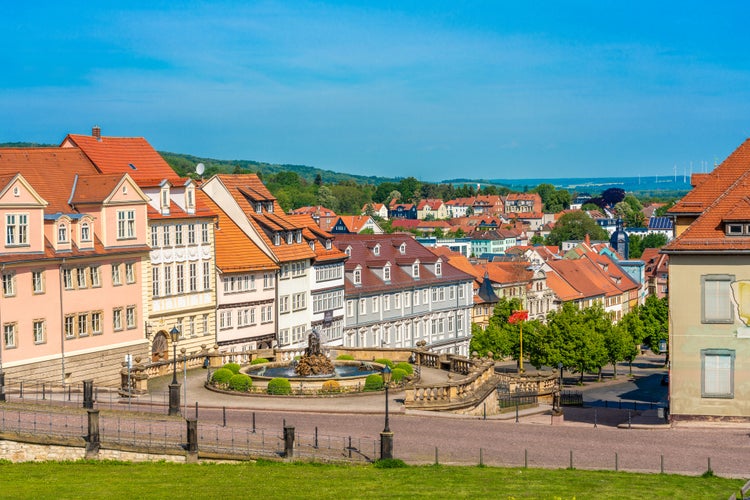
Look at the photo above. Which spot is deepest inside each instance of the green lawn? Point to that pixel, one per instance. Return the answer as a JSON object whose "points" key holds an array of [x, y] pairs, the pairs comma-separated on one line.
{"points": [[119, 480]]}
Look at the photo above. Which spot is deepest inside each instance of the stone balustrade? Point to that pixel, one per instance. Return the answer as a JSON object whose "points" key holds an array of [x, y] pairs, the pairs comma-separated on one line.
{"points": [[452, 394]]}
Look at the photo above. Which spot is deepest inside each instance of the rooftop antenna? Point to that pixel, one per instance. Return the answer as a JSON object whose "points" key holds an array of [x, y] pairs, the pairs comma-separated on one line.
{"points": [[199, 169]]}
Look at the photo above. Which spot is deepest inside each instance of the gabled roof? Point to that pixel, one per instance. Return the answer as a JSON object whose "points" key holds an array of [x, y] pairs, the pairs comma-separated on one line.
{"points": [[116, 155], [355, 223]]}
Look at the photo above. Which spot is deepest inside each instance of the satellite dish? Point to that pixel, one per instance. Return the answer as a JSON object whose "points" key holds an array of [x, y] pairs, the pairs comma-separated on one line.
{"points": [[200, 168]]}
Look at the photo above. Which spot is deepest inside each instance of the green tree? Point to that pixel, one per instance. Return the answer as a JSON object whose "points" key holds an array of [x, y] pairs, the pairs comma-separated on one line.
{"points": [[619, 345], [575, 226], [537, 239], [654, 240], [327, 199], [654, 315], [499, 334], [409, 188]]}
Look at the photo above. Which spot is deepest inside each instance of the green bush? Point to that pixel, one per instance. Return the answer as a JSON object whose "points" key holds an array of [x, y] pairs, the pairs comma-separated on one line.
{"points": [[374, 382], [398, 374], [240, 382], [406, 367], [235, 367], [390, 463], [258, 361], [222, 375], [384, 361], [331, 386], [279, 386], [345, 357]]}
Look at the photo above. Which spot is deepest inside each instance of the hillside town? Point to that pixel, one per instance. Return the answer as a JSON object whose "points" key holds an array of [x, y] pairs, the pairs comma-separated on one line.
{"points": [[108, 252]]}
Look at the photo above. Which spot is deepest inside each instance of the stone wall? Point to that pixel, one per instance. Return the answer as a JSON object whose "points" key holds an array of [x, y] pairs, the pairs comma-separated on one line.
{"points": [[17, 451], [102, 366]]}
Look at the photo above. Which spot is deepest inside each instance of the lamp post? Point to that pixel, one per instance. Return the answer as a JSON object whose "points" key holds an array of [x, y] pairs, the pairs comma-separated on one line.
{"points": [[386, 437], [174, 387]]}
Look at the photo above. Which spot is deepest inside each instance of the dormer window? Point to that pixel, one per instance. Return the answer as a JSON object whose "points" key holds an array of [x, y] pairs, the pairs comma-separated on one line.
{"points": [[357, 277], [438, 269], [289, 238], [347, 250], [277, 239], [376, 249], [328, 244], [402, 249], [85, 232], [62, 233], [415, 270], [190, 199], [312, 245], [258, 208], [298, 235], [269, 207], [736, 229], [387, 273], [164, 205]]}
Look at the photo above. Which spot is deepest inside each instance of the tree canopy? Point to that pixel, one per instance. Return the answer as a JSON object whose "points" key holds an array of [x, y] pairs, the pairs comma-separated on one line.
{"points": [[575, 226]]}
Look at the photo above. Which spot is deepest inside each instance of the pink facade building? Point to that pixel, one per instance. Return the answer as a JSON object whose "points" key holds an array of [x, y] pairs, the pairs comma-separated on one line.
{"points": [[72, 263]]}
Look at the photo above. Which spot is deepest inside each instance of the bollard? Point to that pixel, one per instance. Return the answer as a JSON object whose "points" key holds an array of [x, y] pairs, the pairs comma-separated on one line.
{"points": [[594, 418], [288, 441], [525, 458], [253, 422], [2, 385], [316, 437], [628, 419], [88, 394], [617, 463], [481, 457], [196, 410], [484, 410], [224, 416], [661, 463], [20, 390], [192, 436], [92, 439], [436, 456], [44, 391]]}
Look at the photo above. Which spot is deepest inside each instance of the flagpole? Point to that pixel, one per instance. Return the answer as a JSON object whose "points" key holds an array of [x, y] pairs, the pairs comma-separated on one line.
{"points": [[520, 357]]}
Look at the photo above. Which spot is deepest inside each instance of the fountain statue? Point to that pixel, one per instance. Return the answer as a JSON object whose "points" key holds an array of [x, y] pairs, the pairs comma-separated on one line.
{"points": [[314, 362]]}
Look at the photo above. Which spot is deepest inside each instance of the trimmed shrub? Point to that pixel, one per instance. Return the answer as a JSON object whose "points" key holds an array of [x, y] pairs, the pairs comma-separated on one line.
{"points": [[235, 367], [406, 367], [389, 463], [398, 374], [384, 361], [374, 382], [240, 382], [222, 375], [345, 357], [279, 386], [258, 361], [331, 386]]}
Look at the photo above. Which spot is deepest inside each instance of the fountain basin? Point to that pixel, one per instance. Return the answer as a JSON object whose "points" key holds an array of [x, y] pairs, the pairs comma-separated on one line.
{"points": [[347, 373]]}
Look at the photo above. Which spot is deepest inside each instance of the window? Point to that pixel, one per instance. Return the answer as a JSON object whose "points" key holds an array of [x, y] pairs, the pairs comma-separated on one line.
{"points": [[277, 239], [96, 323], [62, 233], [299, 301], [94, 274], [205, 324], [717, 366], [81, 277], [83, 325], [206, 275], [267, 280], [130, 273], [167, 236], [204, 233], [191, 326], [165, 200], [225, 319], [154, 236], [289, 237], [284, 304], [9, 335], [16, 229], [452, 292], [117, 319], [193, 277], [362, 306], [717, 298], [167, 280], [178, 234], [375, 304], [460, 291], [402, 248], [191, 234], [85, 232], [387, 273], [425, 296], [155, 282], [407, 299], [116, 279], [39, 332], [9, 284], [298, 236], [438, 269], [415, 270], [125, 224], [190, 199], [397, 300], [37, 282], [416, 297], [69, 326], [357, 277], [180, 278], [350, 308], [376, 249], [386, 302]]}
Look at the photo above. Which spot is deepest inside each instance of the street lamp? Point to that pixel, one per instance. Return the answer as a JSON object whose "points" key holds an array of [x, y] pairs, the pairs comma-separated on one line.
{"points": [[174, 387], [386, 437]]}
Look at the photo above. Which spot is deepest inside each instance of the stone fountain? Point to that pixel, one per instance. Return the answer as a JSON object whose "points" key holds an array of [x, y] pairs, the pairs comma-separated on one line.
{"points": [[314, 362]]}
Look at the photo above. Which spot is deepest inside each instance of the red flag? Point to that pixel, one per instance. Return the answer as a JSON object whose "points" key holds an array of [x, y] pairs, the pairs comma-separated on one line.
{"points": [[518, 316]]}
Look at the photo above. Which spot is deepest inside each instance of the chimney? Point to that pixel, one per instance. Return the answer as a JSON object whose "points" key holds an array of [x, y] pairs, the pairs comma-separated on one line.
{"points": [[96, 131], [587, 240]]}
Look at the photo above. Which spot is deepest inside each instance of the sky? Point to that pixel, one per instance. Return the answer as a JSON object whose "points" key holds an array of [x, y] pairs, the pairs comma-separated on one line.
{"points": [[434, 90]]}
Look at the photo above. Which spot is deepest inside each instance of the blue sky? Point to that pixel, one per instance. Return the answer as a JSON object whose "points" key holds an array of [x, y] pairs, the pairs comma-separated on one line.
{"points": [[436, 90]]}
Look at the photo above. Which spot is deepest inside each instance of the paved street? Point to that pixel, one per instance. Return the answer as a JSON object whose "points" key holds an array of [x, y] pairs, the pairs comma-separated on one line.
{"points": [[590, 434]]}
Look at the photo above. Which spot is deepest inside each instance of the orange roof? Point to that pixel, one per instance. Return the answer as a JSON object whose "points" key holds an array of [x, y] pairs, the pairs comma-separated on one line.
{"points": [[134, 155], [50, 171], [354, 223], [235, 251]]}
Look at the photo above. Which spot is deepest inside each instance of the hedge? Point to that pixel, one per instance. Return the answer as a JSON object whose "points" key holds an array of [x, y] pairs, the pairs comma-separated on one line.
{"points": [[398, 374], [222, 375], [406, 367], [258, 361], [279, 386], [345, 357], [384, 361], [373, 382], [240, 382], [235, 367]]}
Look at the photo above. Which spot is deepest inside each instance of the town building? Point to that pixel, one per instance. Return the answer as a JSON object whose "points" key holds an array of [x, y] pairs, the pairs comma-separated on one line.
{"points": [[399, 293], [432, 209], [375, 210], [73, 261], [355, 224], [709, 299]]}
